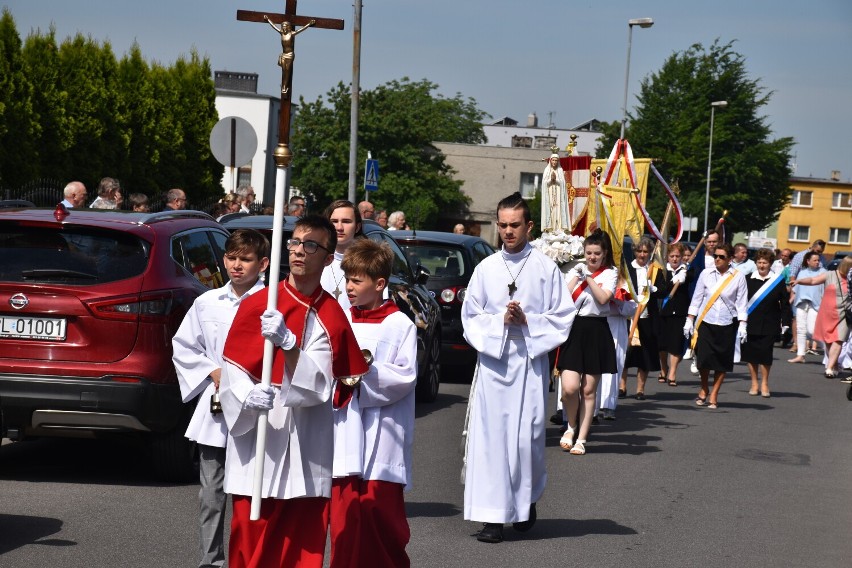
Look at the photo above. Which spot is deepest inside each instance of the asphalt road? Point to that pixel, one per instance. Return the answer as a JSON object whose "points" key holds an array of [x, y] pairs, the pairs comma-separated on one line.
{"points": [[757, 482]]}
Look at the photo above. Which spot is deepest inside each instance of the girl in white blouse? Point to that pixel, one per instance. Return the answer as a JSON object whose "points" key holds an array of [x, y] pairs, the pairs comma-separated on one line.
{"points": [[589, 350]]}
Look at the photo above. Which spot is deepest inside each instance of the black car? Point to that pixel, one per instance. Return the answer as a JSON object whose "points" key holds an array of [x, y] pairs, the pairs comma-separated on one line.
{"points": [[450, 259], [406, 288]]}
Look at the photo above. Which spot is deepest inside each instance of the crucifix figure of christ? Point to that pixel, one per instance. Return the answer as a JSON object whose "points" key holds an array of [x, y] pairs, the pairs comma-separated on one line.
{"points": [[287, 23]]}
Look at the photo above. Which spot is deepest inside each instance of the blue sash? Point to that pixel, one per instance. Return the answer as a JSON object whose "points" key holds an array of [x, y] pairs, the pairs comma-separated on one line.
{"points": [[764, 291]]}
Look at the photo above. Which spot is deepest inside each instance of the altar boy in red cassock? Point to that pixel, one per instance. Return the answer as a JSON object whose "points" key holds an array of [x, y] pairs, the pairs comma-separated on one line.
{"points": [[385, 398], [314, 346]]}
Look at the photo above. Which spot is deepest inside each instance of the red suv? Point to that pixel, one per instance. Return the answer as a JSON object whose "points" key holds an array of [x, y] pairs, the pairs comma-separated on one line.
{"points": [[89, 303]]}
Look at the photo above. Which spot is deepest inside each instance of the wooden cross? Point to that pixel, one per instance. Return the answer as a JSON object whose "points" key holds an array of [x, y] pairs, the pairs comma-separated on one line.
{"points": [[283, 155]]}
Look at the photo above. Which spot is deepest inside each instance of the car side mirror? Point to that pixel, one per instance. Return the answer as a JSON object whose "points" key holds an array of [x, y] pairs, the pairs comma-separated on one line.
{"points": [[423, 274]]}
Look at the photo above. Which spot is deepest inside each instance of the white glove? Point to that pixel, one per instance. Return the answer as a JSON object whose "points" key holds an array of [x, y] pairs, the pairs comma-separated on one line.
{"points": [[652, 289], [742, 332], [580, 270], [687, 328], [260, 397], [679, 277], [272, 327]]}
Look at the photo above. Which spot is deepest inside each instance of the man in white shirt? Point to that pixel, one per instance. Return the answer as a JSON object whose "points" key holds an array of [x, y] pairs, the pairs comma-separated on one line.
{"points": [[719, 302], [741, 260], [517, 309], [75, 194]]}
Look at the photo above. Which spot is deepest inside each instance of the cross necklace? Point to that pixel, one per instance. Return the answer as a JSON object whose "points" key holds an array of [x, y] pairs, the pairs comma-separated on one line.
{"points": [[512, 286], [337, 282]]}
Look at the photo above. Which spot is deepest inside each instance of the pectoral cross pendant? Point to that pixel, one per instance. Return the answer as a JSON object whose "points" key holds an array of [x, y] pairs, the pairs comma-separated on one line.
{"points": [[512, 288], [336, 293]]}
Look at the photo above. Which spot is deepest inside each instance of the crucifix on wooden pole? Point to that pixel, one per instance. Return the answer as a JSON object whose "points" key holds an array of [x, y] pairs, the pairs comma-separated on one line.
{"points": [[287, 28]]}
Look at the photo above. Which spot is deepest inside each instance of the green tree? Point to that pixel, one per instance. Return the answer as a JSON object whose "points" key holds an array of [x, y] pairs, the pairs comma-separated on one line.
{"points": [[750, 172], [18, 129], [398, 123]]}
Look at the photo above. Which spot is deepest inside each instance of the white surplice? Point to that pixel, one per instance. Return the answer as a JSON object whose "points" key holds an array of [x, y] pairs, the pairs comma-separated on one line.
{"points": [[505, 468], [386, 397], [300, 431], [197, 351]]}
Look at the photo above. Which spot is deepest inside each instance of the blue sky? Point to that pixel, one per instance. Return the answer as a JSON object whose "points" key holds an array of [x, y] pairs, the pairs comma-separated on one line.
{"points": [[501, 52]]}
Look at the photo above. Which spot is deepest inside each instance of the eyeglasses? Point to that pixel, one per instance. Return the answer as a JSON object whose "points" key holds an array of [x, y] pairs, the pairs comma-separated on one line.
{"points": [[309, 246], [720, 256]]}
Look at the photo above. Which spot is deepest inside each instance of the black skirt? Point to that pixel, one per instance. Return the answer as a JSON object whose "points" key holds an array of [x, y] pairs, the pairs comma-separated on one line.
{"points": [[758, 349], [589, 348], [647, 355], [671, 335], [714, 348]]}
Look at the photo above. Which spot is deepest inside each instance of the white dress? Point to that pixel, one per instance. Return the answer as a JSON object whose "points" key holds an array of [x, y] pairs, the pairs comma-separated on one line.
{"points": [[505, 462]]}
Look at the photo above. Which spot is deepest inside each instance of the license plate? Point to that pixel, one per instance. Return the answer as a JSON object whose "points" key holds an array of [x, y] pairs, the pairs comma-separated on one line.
{"points": [[21, 327]]}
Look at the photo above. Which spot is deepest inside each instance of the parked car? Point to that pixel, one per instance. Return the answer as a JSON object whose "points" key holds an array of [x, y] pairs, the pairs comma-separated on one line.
{"points": [[406, 288], [450, 259], [89, 303]]}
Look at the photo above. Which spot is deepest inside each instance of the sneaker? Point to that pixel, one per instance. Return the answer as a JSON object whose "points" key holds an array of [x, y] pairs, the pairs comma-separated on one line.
{"points": [[687, 354], [811, 352], [846, 380], [556, 418], [693, 368], [608, 414]]}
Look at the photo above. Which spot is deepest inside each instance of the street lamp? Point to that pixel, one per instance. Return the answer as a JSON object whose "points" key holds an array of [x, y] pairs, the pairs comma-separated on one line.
{"points": [[642, 23], [713, 106]]}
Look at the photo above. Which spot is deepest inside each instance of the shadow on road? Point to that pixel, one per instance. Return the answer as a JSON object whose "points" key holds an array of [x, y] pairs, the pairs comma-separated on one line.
{"points": [[20, 530], [443, 401], [109, 461], [431, 510], [560, 528]]}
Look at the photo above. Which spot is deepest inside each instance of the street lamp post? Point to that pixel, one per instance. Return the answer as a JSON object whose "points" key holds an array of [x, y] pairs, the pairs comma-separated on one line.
{"points": [[713, 106], [642, 23]]}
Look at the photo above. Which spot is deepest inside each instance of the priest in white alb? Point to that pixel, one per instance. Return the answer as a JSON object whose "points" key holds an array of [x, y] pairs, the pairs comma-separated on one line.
{"points": [[517, 309]]}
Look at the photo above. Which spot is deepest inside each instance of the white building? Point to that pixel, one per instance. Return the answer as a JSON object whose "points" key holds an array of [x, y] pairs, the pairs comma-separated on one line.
{"points": [[236, 95]]}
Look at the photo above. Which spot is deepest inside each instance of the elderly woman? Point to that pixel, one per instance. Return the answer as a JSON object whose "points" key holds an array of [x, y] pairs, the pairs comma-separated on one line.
{"points": [[767, 298], [831, 327], [109, 194], [396, 221]]}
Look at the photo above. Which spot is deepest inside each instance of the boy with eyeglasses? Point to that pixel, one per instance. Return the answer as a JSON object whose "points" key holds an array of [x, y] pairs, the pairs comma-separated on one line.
{"points": [[313, 346]]}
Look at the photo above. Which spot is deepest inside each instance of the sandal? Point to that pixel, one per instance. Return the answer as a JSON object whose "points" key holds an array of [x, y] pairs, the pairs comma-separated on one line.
{"points": [[712, 406], [640, 395], [579, 448], [753, 392], [567, 440], [661, 379], [700, 401], [673, 383]]}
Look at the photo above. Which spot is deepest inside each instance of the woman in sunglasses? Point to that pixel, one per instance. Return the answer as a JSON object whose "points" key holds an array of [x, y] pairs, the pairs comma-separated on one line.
{"points": [[718, 304]]}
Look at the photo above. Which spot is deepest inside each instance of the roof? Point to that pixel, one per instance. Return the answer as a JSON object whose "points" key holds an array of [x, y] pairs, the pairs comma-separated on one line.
{"points": [[437, 236]]}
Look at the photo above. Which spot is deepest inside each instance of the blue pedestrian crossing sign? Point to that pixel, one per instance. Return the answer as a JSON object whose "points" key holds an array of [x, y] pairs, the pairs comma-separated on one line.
{"points": [[371, 175]]}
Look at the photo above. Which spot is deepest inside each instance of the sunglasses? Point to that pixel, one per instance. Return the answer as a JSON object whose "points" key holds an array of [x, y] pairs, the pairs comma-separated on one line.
{"points": [[720, 256]]}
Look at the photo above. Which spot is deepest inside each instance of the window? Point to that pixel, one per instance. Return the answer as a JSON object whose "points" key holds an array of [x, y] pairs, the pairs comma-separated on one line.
{"points": [[837, 236], [841, 200], [799, 233], [802, 198], [196, 253], [244, 175], [521, 142], [481, 251], [528, 185], [545, 141]]}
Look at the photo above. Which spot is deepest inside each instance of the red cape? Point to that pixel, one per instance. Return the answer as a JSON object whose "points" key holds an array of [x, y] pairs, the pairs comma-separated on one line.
{"points": [[244, 346]]}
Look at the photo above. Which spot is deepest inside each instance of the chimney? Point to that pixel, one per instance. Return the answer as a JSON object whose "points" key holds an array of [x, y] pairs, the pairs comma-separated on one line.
{"points": [[835, 175], [532, 120]]}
